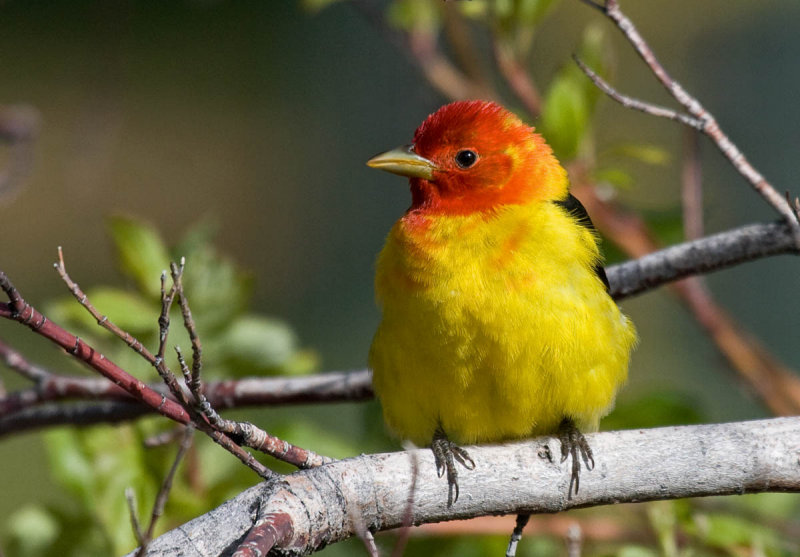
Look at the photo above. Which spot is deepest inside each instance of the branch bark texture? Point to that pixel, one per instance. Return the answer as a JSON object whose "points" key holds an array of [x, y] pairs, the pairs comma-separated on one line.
{"points": [[711, 253], [331, 503]]}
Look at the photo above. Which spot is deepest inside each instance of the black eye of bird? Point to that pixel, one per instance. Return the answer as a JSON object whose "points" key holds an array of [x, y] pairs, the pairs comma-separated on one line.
{"points": [[466, 158]]}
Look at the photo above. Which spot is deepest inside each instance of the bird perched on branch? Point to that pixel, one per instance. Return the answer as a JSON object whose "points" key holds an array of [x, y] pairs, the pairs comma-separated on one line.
{"points": [[497, 322]]}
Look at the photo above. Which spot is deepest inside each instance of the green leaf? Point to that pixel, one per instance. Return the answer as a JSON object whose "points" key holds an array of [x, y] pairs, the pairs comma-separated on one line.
{"points": [[31, 530], [648, 154], [515, 17], [571, 98], [664, 521], [531, 12], [127, 310], [636, 551], [216, 289], [727, 532], [69, 466], [655, 409], [414, 14], [594, 51], [301, 363], [199, 237], [141, 252], [565, 116], [97, 466], [475, 9], [254, 344], [316, 6], [616, 177]]}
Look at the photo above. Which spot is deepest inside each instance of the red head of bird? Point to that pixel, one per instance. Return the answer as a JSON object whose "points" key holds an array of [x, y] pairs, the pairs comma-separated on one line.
{"points": [[475, 156]]}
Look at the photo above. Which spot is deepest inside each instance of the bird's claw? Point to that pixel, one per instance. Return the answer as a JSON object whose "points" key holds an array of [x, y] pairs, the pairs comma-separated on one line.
{"points": [[446, 454], [573, 442]]}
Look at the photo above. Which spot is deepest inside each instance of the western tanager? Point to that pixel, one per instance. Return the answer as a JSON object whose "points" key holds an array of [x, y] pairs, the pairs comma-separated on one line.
{"points": [[497, 322]]}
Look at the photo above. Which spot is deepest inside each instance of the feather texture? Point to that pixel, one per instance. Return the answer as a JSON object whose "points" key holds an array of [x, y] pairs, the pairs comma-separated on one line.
{"points": [[495, 322]]}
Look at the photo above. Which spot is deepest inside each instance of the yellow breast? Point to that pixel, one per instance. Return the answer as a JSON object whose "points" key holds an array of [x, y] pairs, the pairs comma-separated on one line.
{"points": [[495, 326]]}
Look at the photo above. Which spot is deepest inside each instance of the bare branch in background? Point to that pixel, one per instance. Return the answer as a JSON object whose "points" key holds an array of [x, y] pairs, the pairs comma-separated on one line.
{"points": [[19, 129], [518, 78], [692, 187], [423, 47], [710, 127], [636, 104], [776, 385], [160, 502], [29, 408]]}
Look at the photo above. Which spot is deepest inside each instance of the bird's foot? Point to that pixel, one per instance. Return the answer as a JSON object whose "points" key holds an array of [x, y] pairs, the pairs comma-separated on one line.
{"points": [[446, 454], [572, 442]]}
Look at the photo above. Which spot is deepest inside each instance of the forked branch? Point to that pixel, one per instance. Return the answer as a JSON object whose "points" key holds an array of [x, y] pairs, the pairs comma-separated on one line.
{"points": [[698, 116]]}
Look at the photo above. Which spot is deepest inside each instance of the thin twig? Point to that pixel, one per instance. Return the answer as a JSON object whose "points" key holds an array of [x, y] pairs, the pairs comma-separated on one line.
{"points": [[194, 383], [422, 45], [516, 534], [692, 187], [244, 433], [517, 78], [574, 540], [777, 386], [710, 126], [101, 319], [19, 310], [273, 531], [133, 513], [17, 362], [636, 104], [651, 267], [260, 440], [166, 486], [163, 438], [408, 517]]}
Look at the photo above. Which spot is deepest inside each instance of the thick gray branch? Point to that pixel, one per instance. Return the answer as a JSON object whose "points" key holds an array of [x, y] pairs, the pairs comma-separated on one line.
{"points": [[698, 257], [328, 504]]}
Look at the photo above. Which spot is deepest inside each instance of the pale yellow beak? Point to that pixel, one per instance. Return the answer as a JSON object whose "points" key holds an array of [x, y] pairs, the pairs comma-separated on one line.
{"points": [[405, 162]]}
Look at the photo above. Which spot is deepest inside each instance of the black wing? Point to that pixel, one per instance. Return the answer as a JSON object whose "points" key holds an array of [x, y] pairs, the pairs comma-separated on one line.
{"points": [[574, 207]]}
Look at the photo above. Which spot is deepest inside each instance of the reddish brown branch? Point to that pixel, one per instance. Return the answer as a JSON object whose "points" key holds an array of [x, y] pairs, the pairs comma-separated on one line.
{"points": [[422, 45], [24, 313], [101, 319], [517, 78], [200, 412], [692, 187], [27, 409], [272, 531]]}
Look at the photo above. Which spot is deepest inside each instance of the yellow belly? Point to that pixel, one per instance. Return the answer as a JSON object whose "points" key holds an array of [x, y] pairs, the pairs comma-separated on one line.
{"points": [[495, 327]]}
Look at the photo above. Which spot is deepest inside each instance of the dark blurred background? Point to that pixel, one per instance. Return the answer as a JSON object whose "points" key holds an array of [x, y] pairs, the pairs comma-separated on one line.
{"points": [[260, 116]]}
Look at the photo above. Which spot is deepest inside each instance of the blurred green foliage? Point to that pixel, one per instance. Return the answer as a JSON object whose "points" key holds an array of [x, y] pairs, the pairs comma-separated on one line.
{"points": [[95, 465]]}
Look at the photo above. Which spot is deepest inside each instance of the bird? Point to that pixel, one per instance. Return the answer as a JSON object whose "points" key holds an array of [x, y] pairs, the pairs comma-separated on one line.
{"points": [[496, 319]]}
